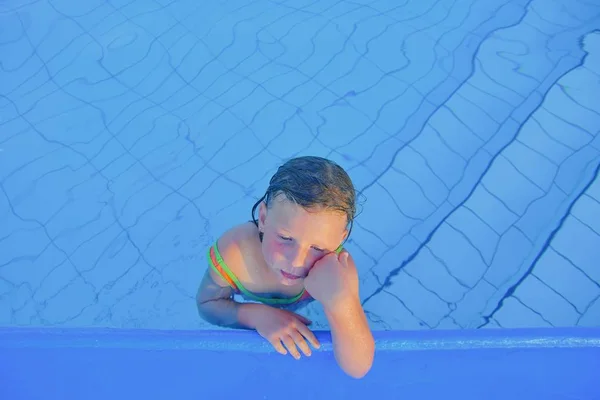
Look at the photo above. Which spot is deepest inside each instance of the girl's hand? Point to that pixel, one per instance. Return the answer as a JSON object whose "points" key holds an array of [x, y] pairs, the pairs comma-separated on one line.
{"points": [[333, 279], [282, 327]]}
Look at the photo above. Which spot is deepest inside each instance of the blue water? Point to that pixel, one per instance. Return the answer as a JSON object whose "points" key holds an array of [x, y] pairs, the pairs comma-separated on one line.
{"points": [[133, 133]]}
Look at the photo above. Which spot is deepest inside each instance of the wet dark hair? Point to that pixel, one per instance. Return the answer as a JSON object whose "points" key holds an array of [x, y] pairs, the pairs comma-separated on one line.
{"points": [[312, 181]]}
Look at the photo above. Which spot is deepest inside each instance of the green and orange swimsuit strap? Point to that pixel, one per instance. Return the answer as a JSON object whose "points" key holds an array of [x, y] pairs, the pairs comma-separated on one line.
{"points": [[218, 265]]}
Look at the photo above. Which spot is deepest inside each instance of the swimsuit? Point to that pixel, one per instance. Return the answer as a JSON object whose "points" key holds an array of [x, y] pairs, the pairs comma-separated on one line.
{"points": [[218, 265]]}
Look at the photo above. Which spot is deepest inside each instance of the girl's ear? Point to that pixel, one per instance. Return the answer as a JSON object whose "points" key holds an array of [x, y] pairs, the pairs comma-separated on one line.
{"points": [[262, 216]]}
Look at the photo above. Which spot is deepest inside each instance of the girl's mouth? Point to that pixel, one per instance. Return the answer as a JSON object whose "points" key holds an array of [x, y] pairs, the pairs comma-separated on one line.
{"points": [[290, 276]]}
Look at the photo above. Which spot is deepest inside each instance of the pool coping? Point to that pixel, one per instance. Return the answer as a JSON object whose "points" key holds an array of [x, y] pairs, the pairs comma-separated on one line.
{"points": [[249, 341]]}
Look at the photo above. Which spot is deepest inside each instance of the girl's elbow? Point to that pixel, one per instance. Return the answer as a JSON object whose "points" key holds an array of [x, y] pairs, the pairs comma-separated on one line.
{"points": [[359, 369], [360, 366]]}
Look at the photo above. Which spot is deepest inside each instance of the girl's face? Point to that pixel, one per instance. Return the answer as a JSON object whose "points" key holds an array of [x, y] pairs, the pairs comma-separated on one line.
{"points": [[295, 238]]}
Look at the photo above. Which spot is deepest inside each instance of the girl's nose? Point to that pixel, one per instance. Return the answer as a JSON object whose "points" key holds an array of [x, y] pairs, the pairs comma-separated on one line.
{"points": [[298, 259]]}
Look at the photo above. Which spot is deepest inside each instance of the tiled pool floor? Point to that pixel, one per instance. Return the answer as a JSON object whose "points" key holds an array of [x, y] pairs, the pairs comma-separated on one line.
{"points": [[133, 133]]}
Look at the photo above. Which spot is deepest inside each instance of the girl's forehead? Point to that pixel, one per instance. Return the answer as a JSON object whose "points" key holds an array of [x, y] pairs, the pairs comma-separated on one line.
{"points": [[291, 216]]}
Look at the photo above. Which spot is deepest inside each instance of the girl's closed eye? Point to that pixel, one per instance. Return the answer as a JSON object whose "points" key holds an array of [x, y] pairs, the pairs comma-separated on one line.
{"points": [[289, 239]]}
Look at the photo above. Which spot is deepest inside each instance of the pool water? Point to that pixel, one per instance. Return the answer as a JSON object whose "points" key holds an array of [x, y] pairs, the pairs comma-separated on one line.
{"points": [[133, 133]]}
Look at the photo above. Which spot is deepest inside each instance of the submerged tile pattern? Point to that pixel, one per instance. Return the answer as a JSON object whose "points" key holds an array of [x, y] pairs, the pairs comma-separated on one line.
{"points": [[133, 133]]}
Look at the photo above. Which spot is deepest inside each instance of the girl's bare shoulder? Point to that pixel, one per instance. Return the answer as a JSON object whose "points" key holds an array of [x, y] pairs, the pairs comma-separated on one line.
{"points": [[238, 247]]}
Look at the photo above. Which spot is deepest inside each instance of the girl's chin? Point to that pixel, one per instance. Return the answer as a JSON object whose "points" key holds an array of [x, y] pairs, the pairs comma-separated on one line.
{"points": [[286, 282]]}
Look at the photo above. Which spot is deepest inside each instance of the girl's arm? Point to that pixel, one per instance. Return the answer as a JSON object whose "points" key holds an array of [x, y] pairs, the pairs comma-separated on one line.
{"points": [[216, 305], [353, 344], [334, 282], [285, 330]]}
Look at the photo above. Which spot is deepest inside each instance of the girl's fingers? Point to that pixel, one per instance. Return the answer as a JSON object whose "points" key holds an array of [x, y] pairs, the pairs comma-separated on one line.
{"points": [[300, 342], [344, 257], [291, 346], [278, 346], [309, 335]]}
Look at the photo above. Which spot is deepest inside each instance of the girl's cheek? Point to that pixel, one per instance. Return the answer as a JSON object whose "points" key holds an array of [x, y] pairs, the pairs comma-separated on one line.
{"points": [[314, 259], [275, 250], [319, 256], [276, 246]]}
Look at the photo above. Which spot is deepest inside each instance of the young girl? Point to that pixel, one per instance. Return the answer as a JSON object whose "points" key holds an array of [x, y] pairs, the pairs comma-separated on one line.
{"points": [[290, 255]]}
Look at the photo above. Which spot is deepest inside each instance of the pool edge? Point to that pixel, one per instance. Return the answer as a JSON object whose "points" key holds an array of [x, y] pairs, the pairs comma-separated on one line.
{"points": [[249, 341]]}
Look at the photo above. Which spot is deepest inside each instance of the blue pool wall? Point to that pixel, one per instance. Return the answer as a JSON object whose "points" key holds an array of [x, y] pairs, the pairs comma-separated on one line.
{"points": [[535, 363]]}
